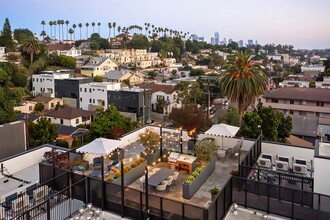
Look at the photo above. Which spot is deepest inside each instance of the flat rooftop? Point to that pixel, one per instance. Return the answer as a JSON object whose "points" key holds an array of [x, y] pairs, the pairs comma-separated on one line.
{"points": [[250, 214]]}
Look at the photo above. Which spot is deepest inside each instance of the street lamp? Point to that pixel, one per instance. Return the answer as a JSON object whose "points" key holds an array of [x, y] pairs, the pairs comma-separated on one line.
{"points": [[146, 186]]}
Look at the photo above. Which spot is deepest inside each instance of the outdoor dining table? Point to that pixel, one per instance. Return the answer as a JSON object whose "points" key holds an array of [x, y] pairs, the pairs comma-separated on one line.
{"points": [[159, 176]]}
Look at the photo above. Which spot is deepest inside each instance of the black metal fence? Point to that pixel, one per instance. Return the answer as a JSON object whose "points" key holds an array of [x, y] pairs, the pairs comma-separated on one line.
{"points": [[251, 157], [291, 203], [108, 196]]}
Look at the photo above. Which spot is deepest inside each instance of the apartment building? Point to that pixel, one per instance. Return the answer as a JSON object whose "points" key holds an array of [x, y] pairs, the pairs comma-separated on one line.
{"points": [[68, 90], [301, 101], [43, 83], [95, 94]]}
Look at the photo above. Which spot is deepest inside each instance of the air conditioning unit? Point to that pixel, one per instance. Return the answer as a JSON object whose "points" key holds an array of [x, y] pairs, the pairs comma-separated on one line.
{"points": [[19, 203], [281, 165], [40, 192], [262, 162], [300, 169]]}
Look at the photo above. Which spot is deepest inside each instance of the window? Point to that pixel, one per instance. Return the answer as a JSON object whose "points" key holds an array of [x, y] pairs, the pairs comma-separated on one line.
{"points": [[30, 108], [90, 90], [274, 100], [319, 103], [302, 113], [90, 100], [292, 102], [61, 121], [77, 121], [80, 89], [291, 112], [93, 100], [80, 99], [52, 105], [167, 98], [85, 89]]}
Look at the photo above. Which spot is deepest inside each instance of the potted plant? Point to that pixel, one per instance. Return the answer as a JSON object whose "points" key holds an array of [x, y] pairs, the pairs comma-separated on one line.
{"points": [[150, 140], [205, 150], [214, 192]]}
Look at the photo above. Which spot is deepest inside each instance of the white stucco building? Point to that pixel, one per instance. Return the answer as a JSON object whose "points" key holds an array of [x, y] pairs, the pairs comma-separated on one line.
{"points": [[93, 95], [44, 82]]}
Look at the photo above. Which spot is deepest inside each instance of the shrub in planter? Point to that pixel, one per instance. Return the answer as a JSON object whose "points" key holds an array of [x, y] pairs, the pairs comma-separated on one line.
{"points": [[234, 172], [214, 191], [127, 169], [117, 175], [109, 179], [133, 165], [205, 150], [194, 174]]}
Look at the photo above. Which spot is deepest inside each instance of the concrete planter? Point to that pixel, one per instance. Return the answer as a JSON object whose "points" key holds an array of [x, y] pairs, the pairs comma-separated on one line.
{"points": [[132, 175], [153, 157], [116, 156], [188, 190]]}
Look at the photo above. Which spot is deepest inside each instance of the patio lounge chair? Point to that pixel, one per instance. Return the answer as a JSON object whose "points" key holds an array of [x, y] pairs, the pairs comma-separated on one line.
{"points": [[237, 147], [175, 177], [169, 180], [97, 163], [79, 169]]}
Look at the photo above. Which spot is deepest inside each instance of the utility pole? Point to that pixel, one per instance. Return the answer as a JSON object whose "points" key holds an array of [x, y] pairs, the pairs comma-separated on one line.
{"points": [[143, 107], [208, 99]]}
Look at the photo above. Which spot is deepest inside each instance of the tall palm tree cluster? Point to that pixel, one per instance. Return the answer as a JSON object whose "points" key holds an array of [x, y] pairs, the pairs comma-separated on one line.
{"points": [[70, 31], [151, 31]]}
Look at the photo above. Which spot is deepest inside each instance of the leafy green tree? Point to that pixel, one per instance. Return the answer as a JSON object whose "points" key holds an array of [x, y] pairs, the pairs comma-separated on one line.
{"points": [[160, 105], [9, 97], [152, 74], [190, 117], [39, 107], [94, 46], [23, 35], [149, 139], [274, 125], [139, 41], [4, 78], [42, 132], [189, 93], [107, 120], [312, 84], [98, 79], [62, 60], [242, 80], [5, 37], [31, 47], [197, 72], [205, 150], [230, 117]]}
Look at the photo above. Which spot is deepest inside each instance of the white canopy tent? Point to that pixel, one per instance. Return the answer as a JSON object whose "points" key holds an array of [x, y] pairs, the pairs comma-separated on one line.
{"points": [[100, 146], [222, 130]]}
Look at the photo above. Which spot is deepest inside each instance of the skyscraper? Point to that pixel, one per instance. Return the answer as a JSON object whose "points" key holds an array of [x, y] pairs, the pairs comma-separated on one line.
{"points": [[216, 38], [240, 43], [212, 40], [250, 42]]}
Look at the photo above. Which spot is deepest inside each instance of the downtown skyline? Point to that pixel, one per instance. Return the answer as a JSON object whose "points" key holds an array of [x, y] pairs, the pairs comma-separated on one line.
{"points": [[298, 23]]}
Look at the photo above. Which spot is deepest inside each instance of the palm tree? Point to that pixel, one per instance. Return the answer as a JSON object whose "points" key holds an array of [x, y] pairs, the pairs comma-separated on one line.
{"points": [[99, 25], [67, 29], [43, 23], [114, 29], [119, 28], [51, 28], [74, 26], [59, 29], [109, 26], [71, 31], [55, 23], [242, 80], [43, 34], [62, 23], [87, 30], [80, 26], [31, 47], [93, 25]]}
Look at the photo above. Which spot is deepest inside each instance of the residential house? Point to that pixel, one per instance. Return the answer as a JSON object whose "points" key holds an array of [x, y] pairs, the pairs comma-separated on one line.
{"points": [[68, 90], [93, 95], [63, 49], [120, 39], [43, 83], [169, 61], [162, 92], [70, 133], [30, 117], [49, 103], [70, 116], [25, 107], [123, 76], [325, 84], [98, 66]]}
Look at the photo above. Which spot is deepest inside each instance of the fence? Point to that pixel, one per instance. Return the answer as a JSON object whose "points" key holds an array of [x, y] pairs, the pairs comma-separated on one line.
{"points": [[251, 157], [291, 203]]}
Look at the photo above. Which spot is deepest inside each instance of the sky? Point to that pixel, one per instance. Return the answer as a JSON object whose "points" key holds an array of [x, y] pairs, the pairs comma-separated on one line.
{"points": [[305, 24]]}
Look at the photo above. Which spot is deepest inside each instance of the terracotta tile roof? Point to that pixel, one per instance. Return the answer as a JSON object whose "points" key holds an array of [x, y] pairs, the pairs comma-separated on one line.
{"points": [[42, 99], [69, 113], [299, 142], [52, 47], [308, 94], [167, 89]]}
